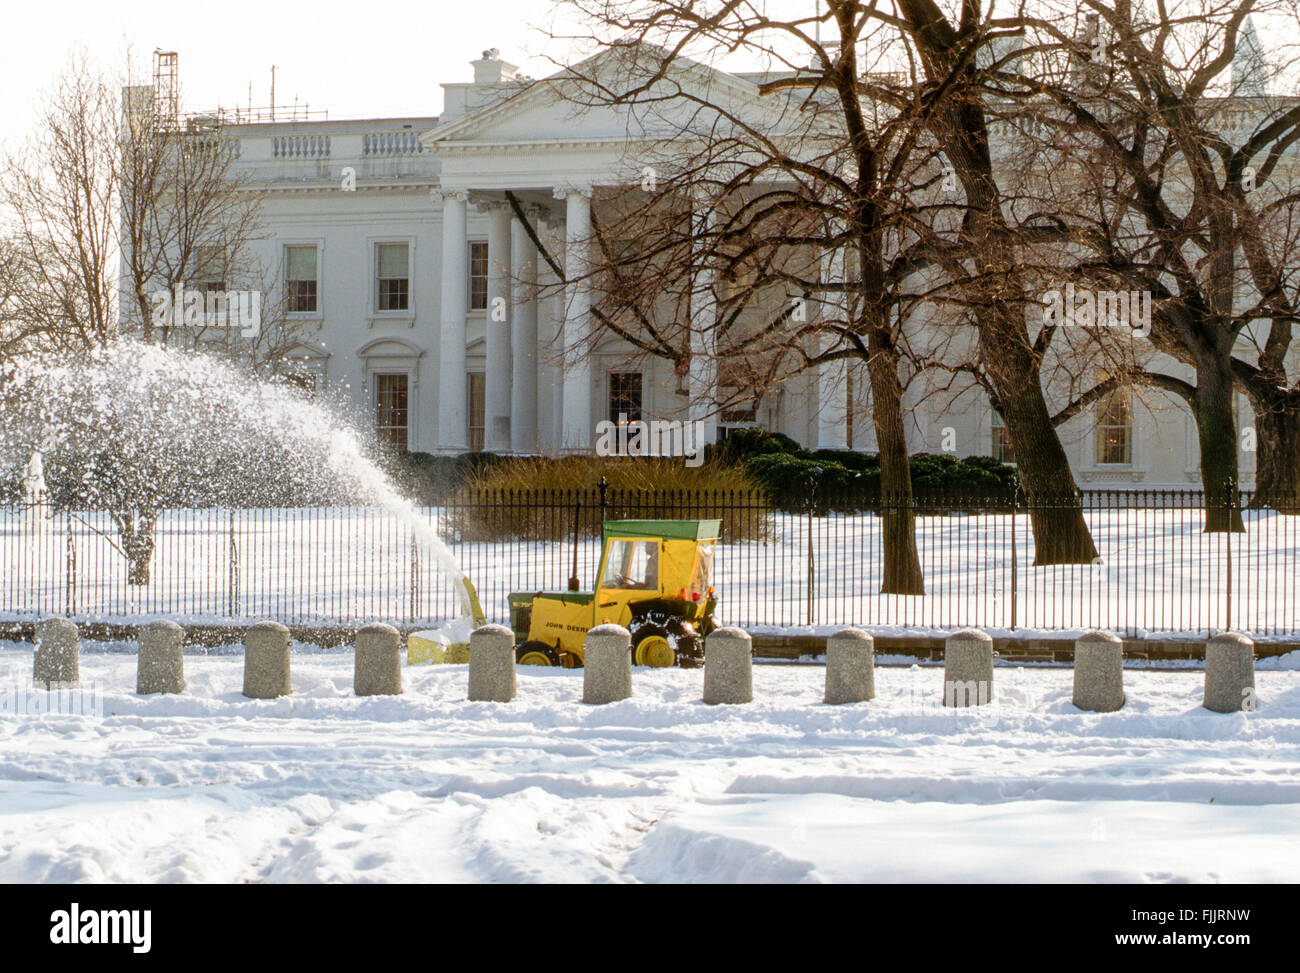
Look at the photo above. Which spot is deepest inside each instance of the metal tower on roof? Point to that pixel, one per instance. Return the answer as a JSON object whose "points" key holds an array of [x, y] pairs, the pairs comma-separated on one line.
{"points": [[166, 90]]}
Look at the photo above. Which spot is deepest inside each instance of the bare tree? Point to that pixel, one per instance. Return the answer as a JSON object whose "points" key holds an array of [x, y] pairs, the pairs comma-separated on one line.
{"points": [[1272, 379], [855, 136], [772, 235], [19, 331], [1186, 214], [118, 209], [189, 218], [995, 283], [59, 193]]}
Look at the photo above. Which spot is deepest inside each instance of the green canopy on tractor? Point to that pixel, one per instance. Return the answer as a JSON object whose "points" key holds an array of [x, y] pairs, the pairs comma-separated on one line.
{"points": [[683, 530]]}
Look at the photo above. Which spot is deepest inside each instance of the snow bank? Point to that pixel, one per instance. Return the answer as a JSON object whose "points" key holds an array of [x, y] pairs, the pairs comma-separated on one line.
{"points": [[324, 786]]}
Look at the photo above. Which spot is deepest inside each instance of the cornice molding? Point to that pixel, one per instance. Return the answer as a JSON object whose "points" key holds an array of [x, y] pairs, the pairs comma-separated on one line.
{"points": [[333, 187]]}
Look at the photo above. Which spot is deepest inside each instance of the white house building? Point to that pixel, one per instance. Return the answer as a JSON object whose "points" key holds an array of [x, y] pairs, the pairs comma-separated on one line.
{"points": [[399, 236]]}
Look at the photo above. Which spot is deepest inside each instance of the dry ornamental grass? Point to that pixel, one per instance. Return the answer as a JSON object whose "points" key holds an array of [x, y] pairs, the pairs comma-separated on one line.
{"points": [[533, 498]]}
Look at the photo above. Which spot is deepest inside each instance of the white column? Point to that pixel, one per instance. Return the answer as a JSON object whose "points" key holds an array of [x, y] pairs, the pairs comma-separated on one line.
{"points": [[523, 335], [575, 435], [500, 312], [833, 376], [702, 379], [551, 341], [452, 425]]}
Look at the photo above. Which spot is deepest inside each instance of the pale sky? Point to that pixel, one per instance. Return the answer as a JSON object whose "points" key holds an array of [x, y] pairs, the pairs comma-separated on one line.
{"points": [[354, 59]]}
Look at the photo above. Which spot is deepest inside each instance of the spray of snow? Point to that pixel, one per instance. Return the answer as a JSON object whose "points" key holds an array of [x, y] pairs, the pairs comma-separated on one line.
{"points": [[347, 459], [138, 427]]}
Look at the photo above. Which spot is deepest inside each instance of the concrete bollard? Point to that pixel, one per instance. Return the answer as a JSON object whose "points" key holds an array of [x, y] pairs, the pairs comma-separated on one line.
{"points": [[1099, 672], [968, 668], [266, 661], [607, 671], [1230, 673], [160, 664], [850, 667], [57, 661], [728, 667], [492, 664], [377, 665]]}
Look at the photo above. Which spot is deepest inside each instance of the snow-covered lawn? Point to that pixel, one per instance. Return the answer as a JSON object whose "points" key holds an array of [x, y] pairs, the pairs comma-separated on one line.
{"points": [[323, 786], [1158, 572]]}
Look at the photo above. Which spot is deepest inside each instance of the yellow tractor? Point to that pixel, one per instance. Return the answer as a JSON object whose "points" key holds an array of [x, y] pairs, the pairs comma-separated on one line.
{"points": [[653, 579]]}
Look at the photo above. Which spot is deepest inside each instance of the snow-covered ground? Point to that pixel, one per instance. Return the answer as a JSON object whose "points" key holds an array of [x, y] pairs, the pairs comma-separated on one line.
{"points": [[1158, 572], [323, 786]]}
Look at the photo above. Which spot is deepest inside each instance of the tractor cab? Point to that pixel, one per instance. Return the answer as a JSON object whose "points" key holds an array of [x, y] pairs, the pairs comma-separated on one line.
{"points": [[654, 579]]}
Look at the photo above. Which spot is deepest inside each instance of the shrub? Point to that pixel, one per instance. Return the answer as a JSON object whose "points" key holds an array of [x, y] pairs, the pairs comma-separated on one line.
{"points": [[429, 479], [848, 480], [742, 444], [534, 498], [851, 459], [974, 477], [792, 481]]}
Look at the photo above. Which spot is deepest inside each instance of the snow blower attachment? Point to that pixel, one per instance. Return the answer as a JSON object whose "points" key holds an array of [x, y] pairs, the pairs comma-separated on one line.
{"points": [[450, 643], [654, 580]]}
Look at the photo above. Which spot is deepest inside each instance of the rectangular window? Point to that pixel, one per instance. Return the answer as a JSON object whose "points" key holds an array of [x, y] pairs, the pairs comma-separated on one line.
{"points": [[1115, 429], [625, 397], [391, 410], [477, 410], [1002, 450], [478, 276], [300, 278], [737, 384], [739, 417], [632, 564], [393, 273], [209, 269]]}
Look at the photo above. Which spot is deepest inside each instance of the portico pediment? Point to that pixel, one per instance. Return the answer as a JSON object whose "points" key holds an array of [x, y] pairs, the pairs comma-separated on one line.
{"points": [[563, 109]]}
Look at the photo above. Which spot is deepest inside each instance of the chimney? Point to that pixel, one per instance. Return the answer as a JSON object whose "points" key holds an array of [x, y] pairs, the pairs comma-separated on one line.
{"points": [[490, 69]]}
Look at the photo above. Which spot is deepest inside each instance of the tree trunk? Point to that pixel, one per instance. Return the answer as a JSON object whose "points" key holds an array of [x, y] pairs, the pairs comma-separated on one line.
{"points": [[902, 568], [137, 543], [1061, 535], [1277, 447], [1217, 434], [1007, 357]]}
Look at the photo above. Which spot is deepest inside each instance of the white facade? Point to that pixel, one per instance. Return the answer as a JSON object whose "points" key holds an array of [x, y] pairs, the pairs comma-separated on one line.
{"points": [[441, 187]]}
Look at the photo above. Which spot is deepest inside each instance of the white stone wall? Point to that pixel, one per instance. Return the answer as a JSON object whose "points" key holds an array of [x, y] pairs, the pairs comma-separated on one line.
{"points": [[398, 163]]}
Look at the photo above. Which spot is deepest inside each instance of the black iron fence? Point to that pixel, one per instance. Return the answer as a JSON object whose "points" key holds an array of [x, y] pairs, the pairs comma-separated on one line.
{"points": [[1157, 570]]}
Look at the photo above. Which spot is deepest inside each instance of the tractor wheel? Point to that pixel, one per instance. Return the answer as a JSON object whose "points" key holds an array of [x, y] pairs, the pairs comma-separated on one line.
{"points": [[690, 651], [536, 654], [653, 646]]}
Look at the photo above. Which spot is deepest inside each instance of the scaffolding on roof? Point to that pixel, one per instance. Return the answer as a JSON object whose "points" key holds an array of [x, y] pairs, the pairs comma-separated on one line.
{"points": [[166, 90]]}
